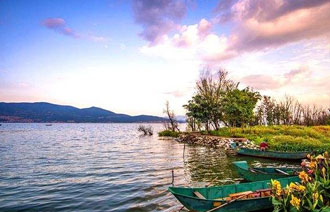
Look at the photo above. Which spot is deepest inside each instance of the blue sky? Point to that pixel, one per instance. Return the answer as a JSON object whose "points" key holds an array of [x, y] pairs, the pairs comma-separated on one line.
{"points": [[132, 56]]}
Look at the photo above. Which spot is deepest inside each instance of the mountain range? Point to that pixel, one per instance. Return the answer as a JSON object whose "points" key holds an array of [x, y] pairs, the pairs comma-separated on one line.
{"points": [[46, 112]]}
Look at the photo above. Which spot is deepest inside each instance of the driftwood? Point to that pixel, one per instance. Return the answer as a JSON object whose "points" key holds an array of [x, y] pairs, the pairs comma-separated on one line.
{"points": [[146, 130]]}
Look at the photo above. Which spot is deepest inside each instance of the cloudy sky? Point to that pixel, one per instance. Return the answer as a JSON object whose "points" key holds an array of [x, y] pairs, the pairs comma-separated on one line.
{"points": [[132, 56]]}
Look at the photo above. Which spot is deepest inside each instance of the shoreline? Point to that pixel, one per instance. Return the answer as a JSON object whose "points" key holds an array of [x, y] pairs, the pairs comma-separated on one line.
{"points": [[212, 141]]}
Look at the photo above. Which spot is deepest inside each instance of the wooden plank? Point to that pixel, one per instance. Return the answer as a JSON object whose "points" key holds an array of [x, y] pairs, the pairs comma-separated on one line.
{"points": [[199, 195], [240, 194], [282, 172], [231, 201], [266, 189]]}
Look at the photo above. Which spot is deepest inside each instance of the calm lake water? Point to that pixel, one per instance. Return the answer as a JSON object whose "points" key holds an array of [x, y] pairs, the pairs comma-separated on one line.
{"points": [[101, 167]]}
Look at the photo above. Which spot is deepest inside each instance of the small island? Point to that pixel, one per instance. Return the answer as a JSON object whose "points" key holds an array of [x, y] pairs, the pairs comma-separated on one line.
{"points": [[221, 112]]}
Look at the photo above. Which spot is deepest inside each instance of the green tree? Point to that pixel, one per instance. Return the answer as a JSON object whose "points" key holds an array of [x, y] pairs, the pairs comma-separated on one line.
{"points": [[239, 105], [206, 106], [199, 109]]}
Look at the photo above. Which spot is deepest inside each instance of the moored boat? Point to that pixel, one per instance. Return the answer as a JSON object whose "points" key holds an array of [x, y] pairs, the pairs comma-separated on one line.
{"points": [[272, 154], [253, 196], [258, 174]]}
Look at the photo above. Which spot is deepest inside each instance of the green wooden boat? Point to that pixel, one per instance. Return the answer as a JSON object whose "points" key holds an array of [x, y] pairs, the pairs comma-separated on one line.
{"points": [[213, 195], [272, 154], [258, 174]]}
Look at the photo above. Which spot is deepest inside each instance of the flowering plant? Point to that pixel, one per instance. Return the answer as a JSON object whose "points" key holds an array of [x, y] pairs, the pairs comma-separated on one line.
{"points": [[311, 194]]}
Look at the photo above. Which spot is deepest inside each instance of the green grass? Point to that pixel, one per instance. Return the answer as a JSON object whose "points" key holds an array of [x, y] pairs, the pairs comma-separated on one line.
{"points": [[283, 137], [168, 133]]}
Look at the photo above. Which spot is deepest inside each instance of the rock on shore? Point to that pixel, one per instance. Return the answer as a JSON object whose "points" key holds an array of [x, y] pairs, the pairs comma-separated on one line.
{"points": [[214, 141]]}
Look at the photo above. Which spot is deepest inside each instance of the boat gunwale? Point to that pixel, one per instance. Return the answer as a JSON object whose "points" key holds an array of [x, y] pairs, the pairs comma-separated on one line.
{"points": [[256, 150], [213, 200], [268, 182], [272, 154], [248, 169]]}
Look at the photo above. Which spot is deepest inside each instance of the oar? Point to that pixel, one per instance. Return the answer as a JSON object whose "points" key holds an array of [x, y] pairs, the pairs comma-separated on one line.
{"points": [[256, 170], [282, 172], [227, 203]]}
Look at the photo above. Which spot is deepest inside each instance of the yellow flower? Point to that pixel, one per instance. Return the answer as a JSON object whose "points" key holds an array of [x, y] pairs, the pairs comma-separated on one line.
{"points": [[295, 202], [277, 186], [292, 187], [312, 165], [304, 176], [326, 154], [299, 188], [323, 172], [315, 196], [319, 157]]}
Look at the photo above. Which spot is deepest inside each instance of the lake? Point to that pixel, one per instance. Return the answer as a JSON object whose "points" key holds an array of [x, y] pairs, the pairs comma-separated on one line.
{"points": [[101, 167]]}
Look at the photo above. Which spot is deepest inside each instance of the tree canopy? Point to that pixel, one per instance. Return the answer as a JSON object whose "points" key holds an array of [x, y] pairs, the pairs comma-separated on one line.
{"points": [[219, 101]]}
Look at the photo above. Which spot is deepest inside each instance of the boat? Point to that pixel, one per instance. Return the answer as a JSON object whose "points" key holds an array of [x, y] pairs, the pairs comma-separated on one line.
{"points": [[48, 125], [218, 198], [272, 154], [258, 174]]}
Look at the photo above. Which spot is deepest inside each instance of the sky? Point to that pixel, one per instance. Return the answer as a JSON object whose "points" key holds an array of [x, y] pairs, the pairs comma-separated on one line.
{"points": [[132, 56]]}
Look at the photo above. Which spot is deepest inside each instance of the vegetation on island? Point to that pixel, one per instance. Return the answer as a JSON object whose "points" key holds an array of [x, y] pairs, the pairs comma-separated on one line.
{"points": [[171, 125], [169, 133], [219, 101], [282, 137], [312, 194], [221, 107]]}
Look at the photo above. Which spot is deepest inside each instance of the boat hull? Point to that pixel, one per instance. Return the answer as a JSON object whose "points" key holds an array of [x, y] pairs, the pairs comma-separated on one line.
{"points": [[241, 206], [260, 174], [272, 154], [190, 201]]}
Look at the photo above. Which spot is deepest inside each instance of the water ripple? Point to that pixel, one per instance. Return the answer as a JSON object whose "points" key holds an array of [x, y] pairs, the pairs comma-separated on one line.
{"points": [[100, 167]]}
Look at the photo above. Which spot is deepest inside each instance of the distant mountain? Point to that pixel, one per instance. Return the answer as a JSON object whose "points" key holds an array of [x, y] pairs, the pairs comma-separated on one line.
{"points": [[181, 118], [47, 112]]}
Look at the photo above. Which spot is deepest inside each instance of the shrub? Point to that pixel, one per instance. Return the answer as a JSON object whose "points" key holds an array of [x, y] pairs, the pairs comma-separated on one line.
{"points": [[168, 133], [146, 130]]}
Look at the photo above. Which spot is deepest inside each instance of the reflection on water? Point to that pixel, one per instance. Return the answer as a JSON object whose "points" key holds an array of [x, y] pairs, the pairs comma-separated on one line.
{"points": [[101, 167]]}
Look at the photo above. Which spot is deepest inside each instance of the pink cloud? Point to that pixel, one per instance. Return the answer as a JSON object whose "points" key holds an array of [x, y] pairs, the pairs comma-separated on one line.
{"points": [[301, 73], [204, 27], [192, 34], [262, 10], [59, 25], [180, 92], [257, 25], [302, 77], [268, 24], [158, 17], [54, 23], [261, 82]]}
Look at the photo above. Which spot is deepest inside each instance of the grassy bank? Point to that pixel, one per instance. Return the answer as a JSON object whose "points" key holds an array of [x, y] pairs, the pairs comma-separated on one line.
{"points": [[283, 138], [168, 133]]}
